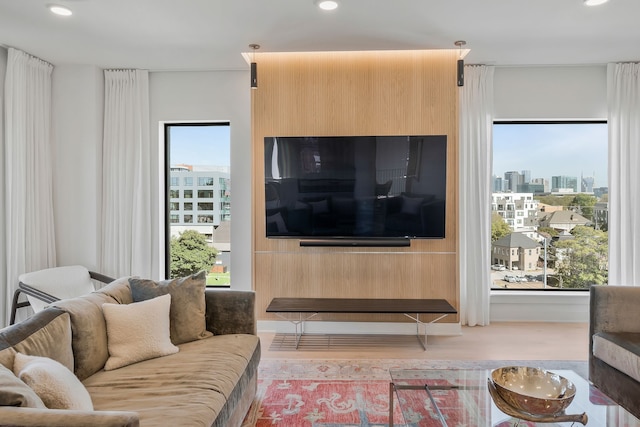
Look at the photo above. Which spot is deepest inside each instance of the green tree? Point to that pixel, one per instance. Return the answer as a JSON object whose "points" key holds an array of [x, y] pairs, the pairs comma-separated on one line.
{"points": [[190, 253], [499, 228], [551, 232], [584, 204], [555, 200], [583, 259]]}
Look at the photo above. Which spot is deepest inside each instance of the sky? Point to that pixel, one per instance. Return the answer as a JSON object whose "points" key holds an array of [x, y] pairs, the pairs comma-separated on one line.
{"points": [[200, 145], [552, 149]]}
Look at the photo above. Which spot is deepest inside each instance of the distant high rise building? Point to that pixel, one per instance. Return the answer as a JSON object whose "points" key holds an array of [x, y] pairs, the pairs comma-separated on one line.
{"points": [[531, 188], [543, 182], [512, 180], [586, 184], [561, 182], [600, 191], [498, 184], [526, 177]]}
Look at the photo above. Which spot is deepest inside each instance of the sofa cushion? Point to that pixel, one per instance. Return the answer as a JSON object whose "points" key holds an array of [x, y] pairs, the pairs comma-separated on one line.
{"points": [[46, 333], [620, 350], [14, 392], [207, 378], [137, 331], [119, 290], [56, 385], [187, 304], [89, 342]]}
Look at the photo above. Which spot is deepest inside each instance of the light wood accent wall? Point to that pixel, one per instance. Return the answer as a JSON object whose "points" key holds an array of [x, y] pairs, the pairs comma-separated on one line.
{"points": [[355, 93]]}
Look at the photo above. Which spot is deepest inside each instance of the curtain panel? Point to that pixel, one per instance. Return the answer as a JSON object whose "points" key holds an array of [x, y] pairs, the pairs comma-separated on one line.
{"points": [[623, 101], [27, 197], [476, 130], [126, 222]]}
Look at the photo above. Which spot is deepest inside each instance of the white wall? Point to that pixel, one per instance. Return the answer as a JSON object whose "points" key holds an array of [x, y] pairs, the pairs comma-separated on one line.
{"points": [[213, 96], [570, 92]]}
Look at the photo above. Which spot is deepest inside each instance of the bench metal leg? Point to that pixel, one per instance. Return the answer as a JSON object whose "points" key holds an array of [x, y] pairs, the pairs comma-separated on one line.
{"points": [[298, 323], [416, 318]]}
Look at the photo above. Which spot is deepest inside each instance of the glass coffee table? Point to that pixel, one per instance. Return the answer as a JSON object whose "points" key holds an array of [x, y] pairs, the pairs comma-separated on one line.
{"points": [[461, 397]]}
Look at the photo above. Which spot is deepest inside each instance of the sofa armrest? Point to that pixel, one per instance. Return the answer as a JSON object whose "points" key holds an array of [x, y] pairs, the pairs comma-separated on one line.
{"points": [[33, 417], [230, 311], [612, 309]]}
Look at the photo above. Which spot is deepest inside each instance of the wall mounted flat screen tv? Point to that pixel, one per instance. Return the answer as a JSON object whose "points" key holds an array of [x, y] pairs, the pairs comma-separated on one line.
{"points": [[355, 187]]}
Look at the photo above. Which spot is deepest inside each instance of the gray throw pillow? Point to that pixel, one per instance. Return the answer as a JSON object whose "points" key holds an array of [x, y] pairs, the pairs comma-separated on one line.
{"points": [[188, 307]]}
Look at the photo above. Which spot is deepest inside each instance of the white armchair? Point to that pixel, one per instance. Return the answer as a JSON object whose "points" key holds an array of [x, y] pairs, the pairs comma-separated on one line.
{"points": [[43, 287]]}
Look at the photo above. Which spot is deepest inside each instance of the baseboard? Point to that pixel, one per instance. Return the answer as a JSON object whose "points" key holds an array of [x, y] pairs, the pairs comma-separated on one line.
{"points": [[384, 328]]}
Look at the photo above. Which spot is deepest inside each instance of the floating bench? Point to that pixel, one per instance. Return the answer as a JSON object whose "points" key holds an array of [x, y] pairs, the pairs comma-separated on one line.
{"points": [[307, 308]]}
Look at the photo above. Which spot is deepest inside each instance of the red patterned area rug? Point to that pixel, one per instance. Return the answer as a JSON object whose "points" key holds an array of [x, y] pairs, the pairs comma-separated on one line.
{"points": [[346, 393]]}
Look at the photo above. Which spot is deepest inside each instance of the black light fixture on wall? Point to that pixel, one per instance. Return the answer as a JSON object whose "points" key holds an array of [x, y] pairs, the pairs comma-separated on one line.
{"points": [[460, 76], [254, 66]]}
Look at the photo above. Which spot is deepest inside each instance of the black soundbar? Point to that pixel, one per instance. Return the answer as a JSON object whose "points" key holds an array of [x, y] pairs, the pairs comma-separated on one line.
{"points": [[346, 242]]}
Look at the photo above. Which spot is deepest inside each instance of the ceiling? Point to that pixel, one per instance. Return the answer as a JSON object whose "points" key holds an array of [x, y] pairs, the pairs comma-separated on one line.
{"points": [[212, 34]]}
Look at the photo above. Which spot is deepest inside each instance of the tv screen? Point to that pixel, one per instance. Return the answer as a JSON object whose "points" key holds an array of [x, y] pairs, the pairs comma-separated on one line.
{"points": [[355, 187]]}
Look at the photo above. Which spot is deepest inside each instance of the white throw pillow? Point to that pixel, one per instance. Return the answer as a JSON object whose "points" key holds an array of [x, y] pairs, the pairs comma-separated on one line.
{"points": [[54, 383], [137, 331]]}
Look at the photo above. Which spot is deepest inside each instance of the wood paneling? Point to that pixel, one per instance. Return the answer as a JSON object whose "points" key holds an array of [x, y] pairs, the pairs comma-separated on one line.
{"points": [[355, 93]]}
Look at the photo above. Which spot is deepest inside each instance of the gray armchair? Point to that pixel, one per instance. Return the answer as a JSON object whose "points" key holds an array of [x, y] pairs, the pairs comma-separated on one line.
{"points": [[614, 344]]}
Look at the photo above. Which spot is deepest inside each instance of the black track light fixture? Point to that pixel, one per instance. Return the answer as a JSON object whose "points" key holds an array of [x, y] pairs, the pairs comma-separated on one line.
{"points": [[460, 76], [254, 66]]}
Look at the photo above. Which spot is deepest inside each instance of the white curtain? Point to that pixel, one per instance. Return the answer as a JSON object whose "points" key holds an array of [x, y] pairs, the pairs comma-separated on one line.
{"points": [[476, 125], [29, 238], [623, 93], [126, 222]]}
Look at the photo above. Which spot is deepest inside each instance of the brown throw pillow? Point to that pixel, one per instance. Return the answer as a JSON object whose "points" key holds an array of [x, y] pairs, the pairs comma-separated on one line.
{"points": [[187, 313]]}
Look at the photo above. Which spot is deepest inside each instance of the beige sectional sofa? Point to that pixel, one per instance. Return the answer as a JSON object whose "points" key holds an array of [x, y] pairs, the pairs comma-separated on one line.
{"points": [[209, 381], [614, 339]]}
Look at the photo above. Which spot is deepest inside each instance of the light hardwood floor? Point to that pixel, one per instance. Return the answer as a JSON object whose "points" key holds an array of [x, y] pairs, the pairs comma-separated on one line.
{"points": [[498, 341]]}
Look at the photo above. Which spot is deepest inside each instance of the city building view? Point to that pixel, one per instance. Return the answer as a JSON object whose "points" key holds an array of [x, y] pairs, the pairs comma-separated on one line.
{"points": [[549, 217], [199, 201]]}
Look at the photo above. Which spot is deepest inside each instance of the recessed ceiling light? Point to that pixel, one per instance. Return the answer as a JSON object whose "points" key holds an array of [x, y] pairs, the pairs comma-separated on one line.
{"points": [[327, 4], [60, 10], [594, 2]]}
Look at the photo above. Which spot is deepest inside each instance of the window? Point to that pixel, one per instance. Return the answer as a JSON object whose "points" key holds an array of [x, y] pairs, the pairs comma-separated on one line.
{"points": [[198, 153], [206, 206], [205, 181], [205, 194], [205, 219], [553, 176]]}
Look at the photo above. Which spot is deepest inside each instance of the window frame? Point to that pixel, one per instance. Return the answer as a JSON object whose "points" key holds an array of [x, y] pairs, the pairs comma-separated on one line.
{"points": [[166, 126], [498, 291]]}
